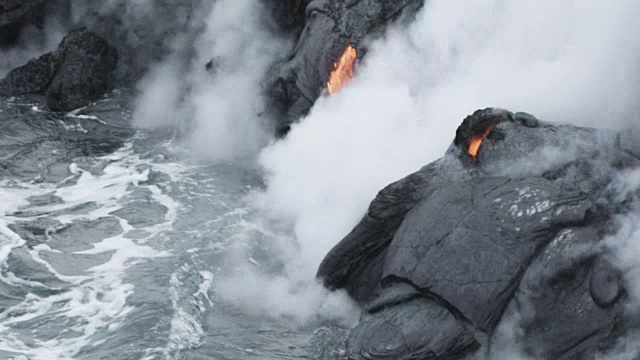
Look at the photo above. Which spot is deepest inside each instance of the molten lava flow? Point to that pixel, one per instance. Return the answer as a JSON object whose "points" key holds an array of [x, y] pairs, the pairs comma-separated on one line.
{"points": [[342, 70], [476, 141]]}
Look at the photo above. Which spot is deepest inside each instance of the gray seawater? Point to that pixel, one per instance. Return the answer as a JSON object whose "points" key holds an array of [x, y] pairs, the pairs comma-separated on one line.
{"points": [[112, 240]]}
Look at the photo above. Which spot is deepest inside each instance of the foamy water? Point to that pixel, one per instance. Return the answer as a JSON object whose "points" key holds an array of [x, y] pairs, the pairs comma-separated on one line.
{"points": [[145, 227], [94, 299]]}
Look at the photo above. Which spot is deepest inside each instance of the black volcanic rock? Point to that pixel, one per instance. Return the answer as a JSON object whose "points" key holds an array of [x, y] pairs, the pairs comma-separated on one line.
{"points": [[450, 253], [86, 65], [74, 75], [32, 78], [330, 25]]}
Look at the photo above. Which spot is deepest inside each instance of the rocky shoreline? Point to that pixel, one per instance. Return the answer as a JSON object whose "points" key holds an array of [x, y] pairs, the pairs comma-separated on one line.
{"points": [[110, 44]]}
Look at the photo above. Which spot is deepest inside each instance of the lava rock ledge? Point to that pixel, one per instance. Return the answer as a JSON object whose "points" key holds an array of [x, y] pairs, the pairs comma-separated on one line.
{"points": [[77, 73], [468, 245]]}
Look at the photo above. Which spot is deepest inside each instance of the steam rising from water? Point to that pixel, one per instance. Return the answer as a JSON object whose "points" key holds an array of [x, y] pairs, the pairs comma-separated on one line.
{"points": [[562, 61], [222, 105]]}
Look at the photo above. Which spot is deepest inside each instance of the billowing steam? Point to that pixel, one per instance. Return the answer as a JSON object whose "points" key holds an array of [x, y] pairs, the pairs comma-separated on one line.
{"points": [[216, 96], [560, 60]]}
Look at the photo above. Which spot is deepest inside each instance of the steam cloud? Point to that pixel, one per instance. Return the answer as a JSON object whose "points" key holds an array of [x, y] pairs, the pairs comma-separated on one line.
{"points": [[561, 61], [223, 105], [218, 111]]}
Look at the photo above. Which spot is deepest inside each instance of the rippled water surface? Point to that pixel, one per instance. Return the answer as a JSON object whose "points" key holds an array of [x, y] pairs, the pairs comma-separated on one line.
{"points": [[111, 243]]}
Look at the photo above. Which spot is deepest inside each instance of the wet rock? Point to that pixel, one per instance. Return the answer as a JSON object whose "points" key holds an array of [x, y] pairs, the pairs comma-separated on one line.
{"points": [[328, 343], [74, 75], [471, 243], [330, 25], [32, 78]]}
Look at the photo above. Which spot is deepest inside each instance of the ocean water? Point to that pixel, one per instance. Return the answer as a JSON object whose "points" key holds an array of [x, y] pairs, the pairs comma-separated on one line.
{"points": [[114, 251]]}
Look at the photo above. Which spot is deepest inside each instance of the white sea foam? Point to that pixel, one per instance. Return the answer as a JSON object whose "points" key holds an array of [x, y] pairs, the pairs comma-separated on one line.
{"points": [[93, 301]]}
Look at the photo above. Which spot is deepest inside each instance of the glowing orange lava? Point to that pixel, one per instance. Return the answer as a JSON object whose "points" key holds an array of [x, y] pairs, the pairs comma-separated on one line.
{"points": [[476, 141], [342, 70]]}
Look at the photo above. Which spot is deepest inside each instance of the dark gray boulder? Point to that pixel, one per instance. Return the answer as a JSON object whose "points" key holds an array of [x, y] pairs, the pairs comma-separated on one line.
{"points": [[86, 66], [447, 255], [31, 78], [74, 75], [515, 137], [330, 26], [568, 300], [501, 222]]}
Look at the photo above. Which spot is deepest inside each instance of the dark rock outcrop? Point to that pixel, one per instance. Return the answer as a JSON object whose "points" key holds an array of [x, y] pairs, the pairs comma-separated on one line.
{"points": [[32, 78], [74, 75], [84, 73], [330, 26], [445, 256]]}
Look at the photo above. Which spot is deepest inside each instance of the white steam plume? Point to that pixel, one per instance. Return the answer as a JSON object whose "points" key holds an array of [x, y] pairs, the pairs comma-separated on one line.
{"points": [[222, 105], [563, 61], [624, 246]]}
